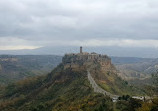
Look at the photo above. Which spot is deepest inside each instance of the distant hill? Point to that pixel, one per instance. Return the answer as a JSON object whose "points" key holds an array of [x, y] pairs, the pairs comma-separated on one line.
{"points": [[129, 60], [17, 67], [136, 70], [112, 51]]}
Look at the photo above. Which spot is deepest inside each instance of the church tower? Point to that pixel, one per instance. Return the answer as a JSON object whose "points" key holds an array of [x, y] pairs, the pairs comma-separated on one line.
{"points": [[81, 49]]}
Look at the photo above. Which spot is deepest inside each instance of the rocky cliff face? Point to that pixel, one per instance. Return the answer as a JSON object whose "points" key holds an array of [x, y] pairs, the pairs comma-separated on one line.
{"points": [[88, 60]]}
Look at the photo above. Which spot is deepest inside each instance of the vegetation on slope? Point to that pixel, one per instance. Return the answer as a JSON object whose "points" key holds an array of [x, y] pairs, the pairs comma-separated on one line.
{"points": [[69, 90], [61, 90], [109, 81]]}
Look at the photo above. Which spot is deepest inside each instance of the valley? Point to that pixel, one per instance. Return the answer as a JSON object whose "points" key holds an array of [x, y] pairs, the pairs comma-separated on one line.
{"points": [[18, 67]]}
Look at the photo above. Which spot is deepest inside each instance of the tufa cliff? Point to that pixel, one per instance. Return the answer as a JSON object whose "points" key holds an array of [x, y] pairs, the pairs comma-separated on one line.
{"points": [[101, 70], [88, 60]]}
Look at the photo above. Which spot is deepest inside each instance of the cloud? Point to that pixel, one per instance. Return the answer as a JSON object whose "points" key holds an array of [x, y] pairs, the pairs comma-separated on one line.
{"points": [[17, 47], [36, 23], [110, 42], [11, 43], [17, 43]]}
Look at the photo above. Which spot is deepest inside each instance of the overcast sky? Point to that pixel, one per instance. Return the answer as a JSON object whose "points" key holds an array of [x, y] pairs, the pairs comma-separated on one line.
{"points": [[30, 24]]}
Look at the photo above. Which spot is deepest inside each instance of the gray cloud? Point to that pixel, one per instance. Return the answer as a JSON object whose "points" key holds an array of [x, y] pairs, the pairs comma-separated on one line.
{"points": [[44, 22]]}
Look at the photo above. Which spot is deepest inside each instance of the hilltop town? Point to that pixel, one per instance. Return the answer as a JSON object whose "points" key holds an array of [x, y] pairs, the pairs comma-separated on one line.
{"points": [[86, 59]]}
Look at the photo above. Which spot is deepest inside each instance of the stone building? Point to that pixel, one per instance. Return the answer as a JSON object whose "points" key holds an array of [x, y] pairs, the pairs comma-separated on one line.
{"points": [[74, 60]]}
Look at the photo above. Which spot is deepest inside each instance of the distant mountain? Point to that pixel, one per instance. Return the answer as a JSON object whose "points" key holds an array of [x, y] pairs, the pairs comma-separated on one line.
{"points": [[17, 67], [112, 51], [68, 88]]}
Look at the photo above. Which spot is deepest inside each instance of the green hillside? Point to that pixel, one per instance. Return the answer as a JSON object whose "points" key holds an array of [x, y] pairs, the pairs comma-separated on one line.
{"points": [[61, 90], [17, 67], [114, 84]]}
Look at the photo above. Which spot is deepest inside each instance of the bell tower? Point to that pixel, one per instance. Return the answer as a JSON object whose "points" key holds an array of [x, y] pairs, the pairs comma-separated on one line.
{"points": [[81, 49]]}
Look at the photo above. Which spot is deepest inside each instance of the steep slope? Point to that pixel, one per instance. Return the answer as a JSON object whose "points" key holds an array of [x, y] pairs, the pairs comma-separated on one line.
{"points": [[110, 82], [98, 89], [103, 72], [61, 90]]}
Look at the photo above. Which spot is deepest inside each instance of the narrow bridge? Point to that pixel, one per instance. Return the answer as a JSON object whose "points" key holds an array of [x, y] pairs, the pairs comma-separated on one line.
{"points": [[99, 89]]}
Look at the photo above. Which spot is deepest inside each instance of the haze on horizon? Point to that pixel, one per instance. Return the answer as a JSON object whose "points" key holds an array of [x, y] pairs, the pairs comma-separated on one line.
{"points": [[110, 24]]}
